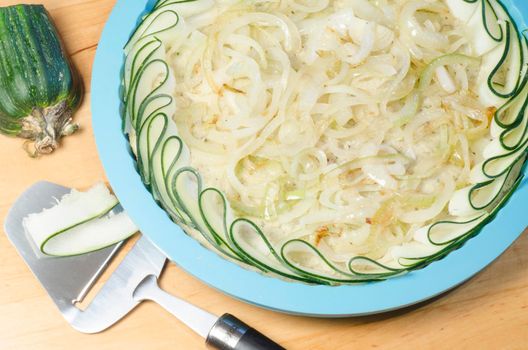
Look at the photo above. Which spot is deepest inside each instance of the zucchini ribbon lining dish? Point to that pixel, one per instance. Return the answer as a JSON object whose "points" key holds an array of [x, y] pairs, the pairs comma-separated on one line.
{"points": [[164, 160]]}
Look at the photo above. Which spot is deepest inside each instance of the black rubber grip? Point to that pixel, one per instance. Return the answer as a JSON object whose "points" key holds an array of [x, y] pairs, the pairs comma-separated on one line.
{"points": [[254, 340], [229, 333]]}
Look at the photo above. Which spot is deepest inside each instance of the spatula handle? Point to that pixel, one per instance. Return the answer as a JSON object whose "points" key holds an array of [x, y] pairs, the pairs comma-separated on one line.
{"points": [[229, 333], [224, 333]]}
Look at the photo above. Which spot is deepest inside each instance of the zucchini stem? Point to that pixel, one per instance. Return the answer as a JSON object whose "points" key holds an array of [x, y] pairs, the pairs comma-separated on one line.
{"points": [[45, 126]]}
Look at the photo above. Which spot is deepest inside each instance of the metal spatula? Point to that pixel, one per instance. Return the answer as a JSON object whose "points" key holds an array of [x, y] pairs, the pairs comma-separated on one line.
{"points": [[68, 280]]}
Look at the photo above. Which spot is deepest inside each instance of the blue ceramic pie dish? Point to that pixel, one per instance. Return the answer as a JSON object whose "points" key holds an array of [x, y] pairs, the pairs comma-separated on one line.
{"points": [[252, 287]]}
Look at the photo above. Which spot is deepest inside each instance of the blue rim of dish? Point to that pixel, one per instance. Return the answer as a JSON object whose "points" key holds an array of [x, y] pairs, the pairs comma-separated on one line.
{"points": [[253, 287]]}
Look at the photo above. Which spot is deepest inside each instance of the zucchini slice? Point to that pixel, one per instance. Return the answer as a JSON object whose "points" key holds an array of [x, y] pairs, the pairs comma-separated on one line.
{"points": [[80, 222]]}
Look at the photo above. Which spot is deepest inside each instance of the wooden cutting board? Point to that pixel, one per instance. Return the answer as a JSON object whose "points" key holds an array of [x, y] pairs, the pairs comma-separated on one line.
{"points": [[488, 312]]}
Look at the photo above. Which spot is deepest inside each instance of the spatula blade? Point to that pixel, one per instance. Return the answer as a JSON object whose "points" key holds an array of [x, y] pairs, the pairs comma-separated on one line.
{"points": [[116, 298], [67, 280]]}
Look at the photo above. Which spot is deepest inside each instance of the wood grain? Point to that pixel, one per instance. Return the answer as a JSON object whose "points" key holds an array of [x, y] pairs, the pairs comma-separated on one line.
{"points": [[488, 312]]}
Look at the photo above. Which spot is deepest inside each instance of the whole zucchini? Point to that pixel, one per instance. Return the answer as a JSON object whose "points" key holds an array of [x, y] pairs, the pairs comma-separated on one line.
{"points": [[39, 88]]}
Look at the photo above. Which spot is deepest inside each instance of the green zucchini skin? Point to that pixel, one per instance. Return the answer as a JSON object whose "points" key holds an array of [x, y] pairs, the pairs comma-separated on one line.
{"points": [[39, 88]]}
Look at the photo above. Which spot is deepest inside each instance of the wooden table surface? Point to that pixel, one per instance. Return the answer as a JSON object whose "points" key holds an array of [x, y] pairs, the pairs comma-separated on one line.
{"points": [[488, 312]]}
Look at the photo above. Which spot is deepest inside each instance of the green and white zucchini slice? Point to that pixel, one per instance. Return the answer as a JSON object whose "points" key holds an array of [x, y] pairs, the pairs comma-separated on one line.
{"points": [[163, 159], [90, 236], [81, 222]]}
